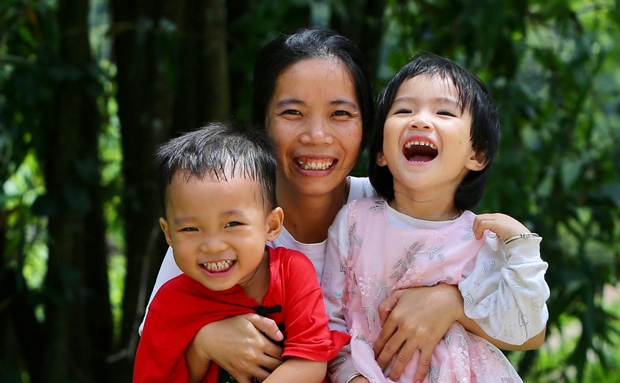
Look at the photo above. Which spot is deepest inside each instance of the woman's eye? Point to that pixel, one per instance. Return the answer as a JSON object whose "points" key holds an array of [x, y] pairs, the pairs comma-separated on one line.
{"points": [[341, 113], [292, 112], [233, 224]]}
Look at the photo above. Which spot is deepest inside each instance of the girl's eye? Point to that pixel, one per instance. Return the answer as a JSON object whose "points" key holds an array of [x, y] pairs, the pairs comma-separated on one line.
{"points": [[402, 111], [233, 224], [446, 113]]}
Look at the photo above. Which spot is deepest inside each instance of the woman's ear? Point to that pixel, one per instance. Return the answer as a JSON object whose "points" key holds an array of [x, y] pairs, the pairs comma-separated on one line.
{"points": [[275, 220], [166, 229], [476, 161], [381, 159]]}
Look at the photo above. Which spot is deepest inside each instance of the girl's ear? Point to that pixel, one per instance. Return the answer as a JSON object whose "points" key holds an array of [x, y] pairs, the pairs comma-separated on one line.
{"points": [[476, 161], [166, 229], [381, 159], [275, 220]]}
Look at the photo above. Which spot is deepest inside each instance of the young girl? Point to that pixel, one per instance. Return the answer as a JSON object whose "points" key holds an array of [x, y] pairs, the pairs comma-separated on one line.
{"points": [[437, 135]]}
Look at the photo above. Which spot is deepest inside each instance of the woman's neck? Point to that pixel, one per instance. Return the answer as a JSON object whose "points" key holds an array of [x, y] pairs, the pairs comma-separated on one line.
{"points": [[308, 217]]}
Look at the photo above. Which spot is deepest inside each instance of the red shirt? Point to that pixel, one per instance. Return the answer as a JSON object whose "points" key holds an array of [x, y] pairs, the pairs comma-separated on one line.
{"points": [[183, 306]]}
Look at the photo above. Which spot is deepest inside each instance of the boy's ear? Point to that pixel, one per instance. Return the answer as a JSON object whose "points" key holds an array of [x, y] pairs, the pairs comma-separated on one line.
{"points": [[476, 161], [163, 223], [275, 221], [381, 159]]}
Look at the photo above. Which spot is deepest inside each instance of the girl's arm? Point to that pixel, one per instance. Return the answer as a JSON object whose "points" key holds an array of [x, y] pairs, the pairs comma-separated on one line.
{"points": [[298, 370], [506, 292]]}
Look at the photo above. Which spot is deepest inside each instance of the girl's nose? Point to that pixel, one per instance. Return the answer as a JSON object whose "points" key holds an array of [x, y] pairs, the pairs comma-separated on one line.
{"points": [[317, 131], [421, 122]]}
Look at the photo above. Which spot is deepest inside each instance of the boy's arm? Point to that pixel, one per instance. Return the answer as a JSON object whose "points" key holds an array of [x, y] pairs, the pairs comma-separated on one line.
{"points": [[298, 370]]}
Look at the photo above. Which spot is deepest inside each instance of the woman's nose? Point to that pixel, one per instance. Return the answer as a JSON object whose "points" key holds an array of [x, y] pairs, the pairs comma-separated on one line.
{"points": [[317, 131]]}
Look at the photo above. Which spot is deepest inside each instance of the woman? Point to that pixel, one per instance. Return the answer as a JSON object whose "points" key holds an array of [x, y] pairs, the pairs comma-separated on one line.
{"points": [[312, 94]]}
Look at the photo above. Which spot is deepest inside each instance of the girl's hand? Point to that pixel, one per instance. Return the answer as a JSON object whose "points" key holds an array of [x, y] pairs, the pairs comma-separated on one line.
{"points": [[237, 345], [501, 224], [359, 379], [412, 319]]}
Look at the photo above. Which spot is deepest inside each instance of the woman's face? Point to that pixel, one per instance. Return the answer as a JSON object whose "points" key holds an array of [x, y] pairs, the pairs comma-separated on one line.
{"points": [[315, 120]]}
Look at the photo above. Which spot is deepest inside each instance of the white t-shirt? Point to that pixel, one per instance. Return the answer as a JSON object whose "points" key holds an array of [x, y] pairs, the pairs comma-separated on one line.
{"points": [[359, 188]]}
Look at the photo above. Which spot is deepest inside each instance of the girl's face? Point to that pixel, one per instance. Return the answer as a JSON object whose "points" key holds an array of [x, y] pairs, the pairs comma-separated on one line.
{"points": [[315, 120], [426, 136]]}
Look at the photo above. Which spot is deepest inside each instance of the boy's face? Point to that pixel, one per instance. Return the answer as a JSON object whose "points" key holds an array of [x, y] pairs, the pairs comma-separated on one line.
{"points": [[218, 229], [427, 143]]}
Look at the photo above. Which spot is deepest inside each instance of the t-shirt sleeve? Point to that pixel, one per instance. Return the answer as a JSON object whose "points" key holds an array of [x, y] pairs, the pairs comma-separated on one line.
{"points": [[506, 292], [307, 333], [167, 271]]}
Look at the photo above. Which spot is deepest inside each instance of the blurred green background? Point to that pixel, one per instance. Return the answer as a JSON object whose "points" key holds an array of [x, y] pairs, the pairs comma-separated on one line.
{"points": [[89, 88]]}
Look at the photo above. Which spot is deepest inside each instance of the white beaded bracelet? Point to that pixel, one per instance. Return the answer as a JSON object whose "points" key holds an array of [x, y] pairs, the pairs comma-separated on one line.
{"points": [[519, 236]]}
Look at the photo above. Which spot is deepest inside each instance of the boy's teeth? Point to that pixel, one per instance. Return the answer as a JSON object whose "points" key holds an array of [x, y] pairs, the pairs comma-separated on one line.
{"points": [[321, 165], [424, 143], [218, 266]]}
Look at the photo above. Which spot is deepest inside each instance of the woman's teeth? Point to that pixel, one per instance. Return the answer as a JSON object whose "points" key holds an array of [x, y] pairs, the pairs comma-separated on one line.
{"points": [[218, 266], [320, 165]]}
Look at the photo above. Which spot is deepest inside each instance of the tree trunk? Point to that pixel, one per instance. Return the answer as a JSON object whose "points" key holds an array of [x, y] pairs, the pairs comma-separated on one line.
{"points": [[146, 52], [204, 89], [78, 322]]}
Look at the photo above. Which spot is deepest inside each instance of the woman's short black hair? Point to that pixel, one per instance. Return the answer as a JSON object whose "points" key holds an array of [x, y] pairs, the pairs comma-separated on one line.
{"points": [[473, 96], [305, 44]]}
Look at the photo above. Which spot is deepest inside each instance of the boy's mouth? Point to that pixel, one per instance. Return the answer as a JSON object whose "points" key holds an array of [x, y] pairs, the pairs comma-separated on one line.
{"points": [[420, 151], [218, 267]]}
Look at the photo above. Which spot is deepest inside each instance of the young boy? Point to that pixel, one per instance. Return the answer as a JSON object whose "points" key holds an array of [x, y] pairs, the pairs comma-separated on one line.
{"points": [[218, 197]]}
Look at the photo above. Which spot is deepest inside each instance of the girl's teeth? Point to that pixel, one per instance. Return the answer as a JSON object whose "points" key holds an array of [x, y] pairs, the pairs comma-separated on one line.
{"points": [[424, 143], [218, 266]]}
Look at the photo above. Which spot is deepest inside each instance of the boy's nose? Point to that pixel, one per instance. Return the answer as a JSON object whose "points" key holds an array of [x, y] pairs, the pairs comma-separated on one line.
{"points": [[212, 245]]}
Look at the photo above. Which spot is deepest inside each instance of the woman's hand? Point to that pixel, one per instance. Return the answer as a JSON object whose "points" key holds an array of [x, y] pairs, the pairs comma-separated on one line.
{"points": [[412, 319], [237, 345]]}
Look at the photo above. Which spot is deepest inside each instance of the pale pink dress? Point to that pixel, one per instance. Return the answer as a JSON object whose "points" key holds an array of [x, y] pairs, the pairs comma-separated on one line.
{"points": [[383, 258]]}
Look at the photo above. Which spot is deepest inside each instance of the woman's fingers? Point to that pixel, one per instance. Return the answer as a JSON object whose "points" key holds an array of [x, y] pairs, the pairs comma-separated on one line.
{"points": [[265, 325]]}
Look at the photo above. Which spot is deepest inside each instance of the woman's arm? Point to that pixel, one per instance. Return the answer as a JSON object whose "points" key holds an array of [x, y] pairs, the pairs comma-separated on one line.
{"points": [[412, 319], [237, 345], [298, 370]]}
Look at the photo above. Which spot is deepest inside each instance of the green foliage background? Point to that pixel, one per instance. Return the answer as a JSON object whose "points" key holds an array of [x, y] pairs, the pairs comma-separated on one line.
{"points": [[552, 67]]}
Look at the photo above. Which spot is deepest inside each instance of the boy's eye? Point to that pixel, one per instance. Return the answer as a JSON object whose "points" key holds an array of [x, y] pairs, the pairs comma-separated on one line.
{"points": [[233, 224], [189, 229]]}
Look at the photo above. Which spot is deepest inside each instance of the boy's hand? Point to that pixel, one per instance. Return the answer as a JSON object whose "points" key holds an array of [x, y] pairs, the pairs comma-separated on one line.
{"points": [[501, 224]]}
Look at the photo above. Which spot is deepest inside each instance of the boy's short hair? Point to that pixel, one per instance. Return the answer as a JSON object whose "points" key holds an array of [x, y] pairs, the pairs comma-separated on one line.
{"points": [[219, 150], [473, 97]]}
